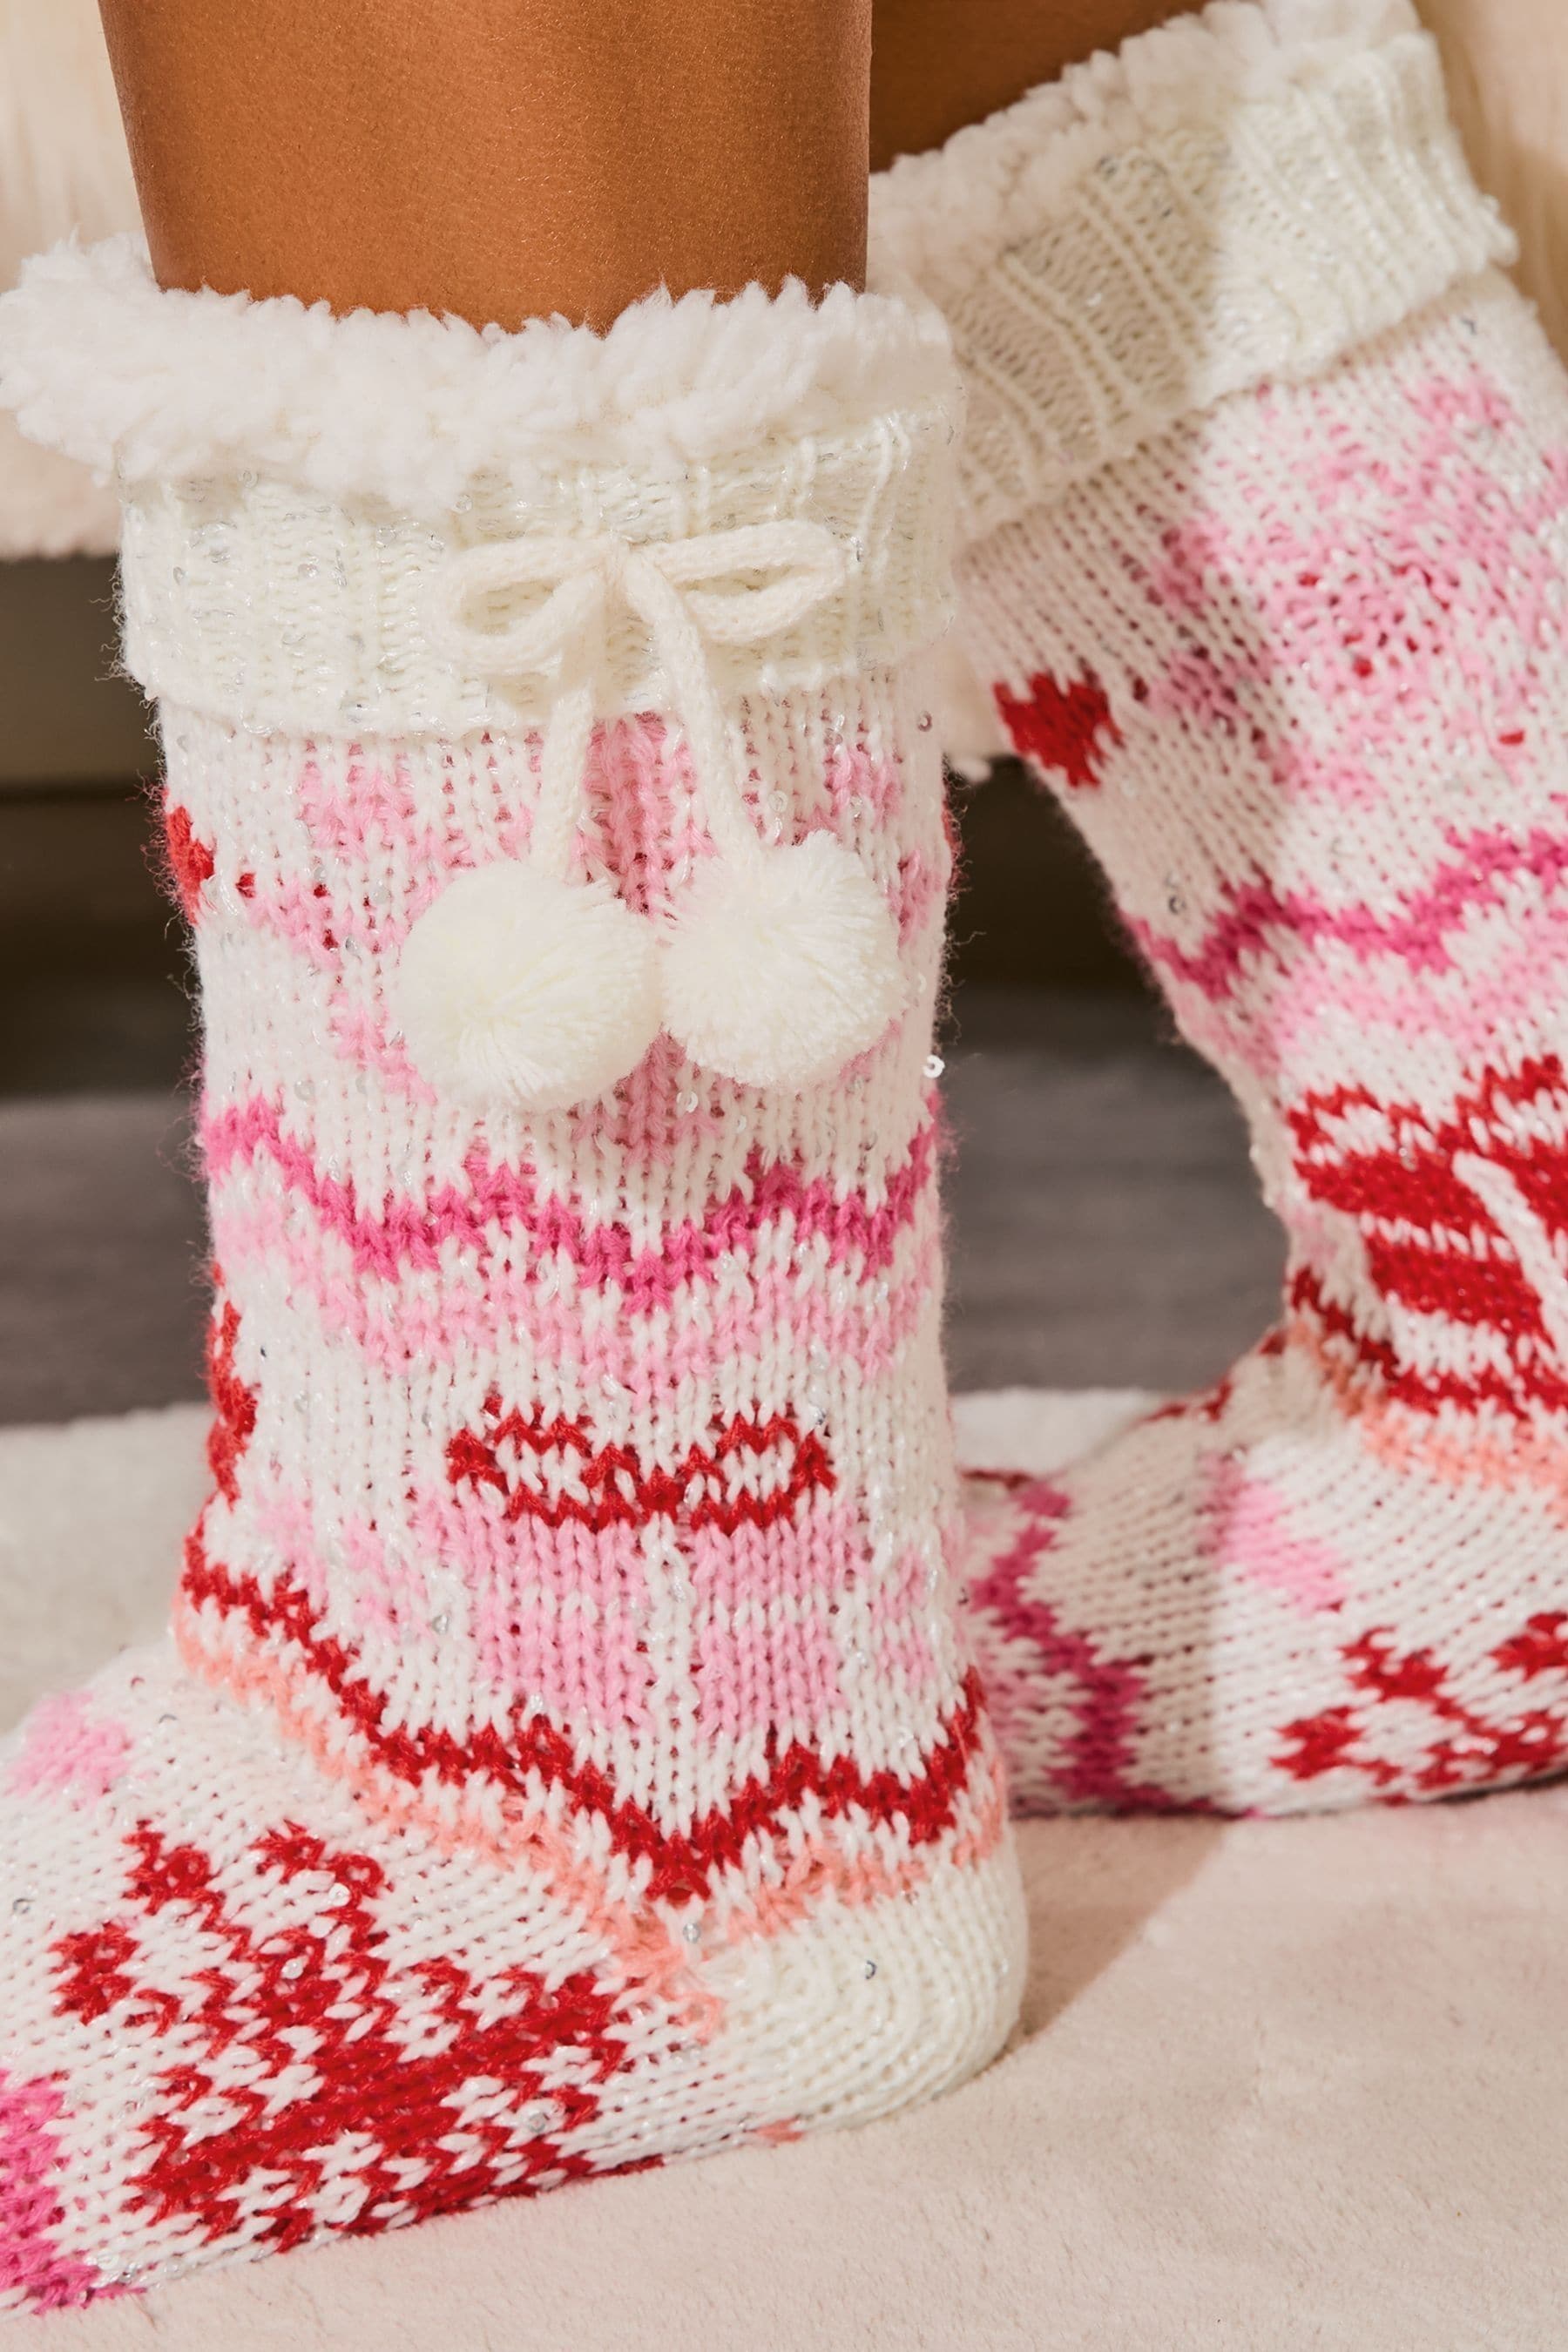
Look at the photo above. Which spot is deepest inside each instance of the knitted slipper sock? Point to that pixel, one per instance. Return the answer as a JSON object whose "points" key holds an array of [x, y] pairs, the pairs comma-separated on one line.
{"points": [[1266, 499], [563, 1760]]}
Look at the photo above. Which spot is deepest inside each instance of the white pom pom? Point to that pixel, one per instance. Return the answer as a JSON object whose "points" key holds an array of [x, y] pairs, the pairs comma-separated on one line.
{"points": [[517, 991], [777, 976]]}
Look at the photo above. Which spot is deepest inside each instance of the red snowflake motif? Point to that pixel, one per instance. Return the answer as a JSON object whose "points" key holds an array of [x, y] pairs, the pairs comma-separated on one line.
{"points": [[411, 2093], [1067, 728], [1464, 1748], [529, 1753], [1419, 1187]]}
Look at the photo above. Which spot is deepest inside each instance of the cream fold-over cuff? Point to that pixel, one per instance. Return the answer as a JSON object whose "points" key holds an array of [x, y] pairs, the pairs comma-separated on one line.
{"points": [[305, 493], [1244, 193]]}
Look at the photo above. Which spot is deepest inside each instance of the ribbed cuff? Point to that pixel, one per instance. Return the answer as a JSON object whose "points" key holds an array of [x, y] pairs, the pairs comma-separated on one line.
{"points": [[281, 611], [1246, 194], [300, 489]]}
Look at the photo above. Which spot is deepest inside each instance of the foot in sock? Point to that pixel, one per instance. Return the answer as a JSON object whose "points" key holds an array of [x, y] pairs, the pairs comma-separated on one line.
{"points": [[563, 1759], [1266, 507]]}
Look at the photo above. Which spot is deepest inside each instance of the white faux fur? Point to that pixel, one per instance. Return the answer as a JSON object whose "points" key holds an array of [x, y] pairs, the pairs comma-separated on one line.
{"points": [[99, 361], [63, 165], [939, 219]]}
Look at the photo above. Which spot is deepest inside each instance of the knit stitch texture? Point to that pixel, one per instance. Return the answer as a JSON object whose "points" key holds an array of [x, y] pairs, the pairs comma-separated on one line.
{"points": [[1286, 636], [564, 1758]]}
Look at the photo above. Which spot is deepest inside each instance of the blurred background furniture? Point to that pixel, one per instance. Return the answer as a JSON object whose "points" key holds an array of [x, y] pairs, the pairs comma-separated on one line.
{"points": [[63, 169]]}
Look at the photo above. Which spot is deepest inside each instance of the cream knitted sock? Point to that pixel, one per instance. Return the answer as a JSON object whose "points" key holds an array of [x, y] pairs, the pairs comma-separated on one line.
{"points": [[1266, 496], [563, 1760]]}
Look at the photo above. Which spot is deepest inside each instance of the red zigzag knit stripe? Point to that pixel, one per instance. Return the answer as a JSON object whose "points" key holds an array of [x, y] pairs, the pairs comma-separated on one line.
{"points": [[683, 1863]]}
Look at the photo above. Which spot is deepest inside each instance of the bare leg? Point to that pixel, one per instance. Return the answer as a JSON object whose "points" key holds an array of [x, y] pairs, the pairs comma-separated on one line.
{"points": [[940, 64], [501, 158]]}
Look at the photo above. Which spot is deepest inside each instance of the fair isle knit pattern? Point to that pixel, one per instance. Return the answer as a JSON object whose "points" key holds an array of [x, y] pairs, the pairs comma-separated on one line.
{"points": [[1285, 635], [563, 1759]]}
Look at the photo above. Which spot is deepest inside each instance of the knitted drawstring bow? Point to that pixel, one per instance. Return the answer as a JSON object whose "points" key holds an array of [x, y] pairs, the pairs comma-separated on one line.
{"points": [[778, 963]]}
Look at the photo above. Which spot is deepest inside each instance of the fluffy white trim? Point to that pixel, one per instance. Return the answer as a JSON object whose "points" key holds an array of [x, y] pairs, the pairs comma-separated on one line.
{"points": [[939, 219], [101, 362]]}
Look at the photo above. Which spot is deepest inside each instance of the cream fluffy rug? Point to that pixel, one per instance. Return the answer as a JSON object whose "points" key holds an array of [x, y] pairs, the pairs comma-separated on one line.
{"points": [[1277, 2086]]}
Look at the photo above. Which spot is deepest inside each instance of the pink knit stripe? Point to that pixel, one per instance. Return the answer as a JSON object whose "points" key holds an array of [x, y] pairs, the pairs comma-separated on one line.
{"points": [[360, 1038], [414, 1316], [856, 782], [31, 2264], [1106, 1696], [1313, 1006], [1417, 932], [1470, 1010], [412, 1233]]}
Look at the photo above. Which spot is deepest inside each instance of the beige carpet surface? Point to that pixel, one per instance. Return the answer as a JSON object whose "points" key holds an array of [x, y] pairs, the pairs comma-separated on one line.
{"points": [[1277, 2085]]}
